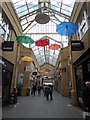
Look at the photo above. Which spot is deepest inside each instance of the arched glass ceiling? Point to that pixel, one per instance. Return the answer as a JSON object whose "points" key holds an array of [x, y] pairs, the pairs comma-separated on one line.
{"points": [[58, 11]]}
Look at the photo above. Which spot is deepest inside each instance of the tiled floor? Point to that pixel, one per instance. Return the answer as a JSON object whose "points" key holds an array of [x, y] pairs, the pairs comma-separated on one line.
{"points": [[38, 107]]}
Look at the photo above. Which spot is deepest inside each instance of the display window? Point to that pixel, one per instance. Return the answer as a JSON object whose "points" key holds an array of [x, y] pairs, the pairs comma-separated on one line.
{"points": [[79, 84]]}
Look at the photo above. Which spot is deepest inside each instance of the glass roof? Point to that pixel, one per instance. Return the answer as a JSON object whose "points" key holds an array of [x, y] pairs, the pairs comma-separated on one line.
{"points": [[58, 11]]}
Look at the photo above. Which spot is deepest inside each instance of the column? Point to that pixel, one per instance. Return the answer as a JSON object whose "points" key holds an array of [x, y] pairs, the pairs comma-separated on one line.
{"points": [[73, 90]]}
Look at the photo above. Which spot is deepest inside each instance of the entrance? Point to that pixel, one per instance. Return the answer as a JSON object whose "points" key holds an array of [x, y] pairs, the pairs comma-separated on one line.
{"points": [[79, 84], [6, 86], [7, 70], [82, 75], [86, 70]]}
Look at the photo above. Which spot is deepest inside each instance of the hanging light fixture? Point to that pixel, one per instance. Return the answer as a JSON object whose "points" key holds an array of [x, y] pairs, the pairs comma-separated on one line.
{"points": [[41, 17]]}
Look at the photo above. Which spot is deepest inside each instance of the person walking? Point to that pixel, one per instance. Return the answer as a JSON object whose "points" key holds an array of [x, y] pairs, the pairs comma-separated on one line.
{"points": [[47, 92], [51, 92], [34, 89], [39, 90]]}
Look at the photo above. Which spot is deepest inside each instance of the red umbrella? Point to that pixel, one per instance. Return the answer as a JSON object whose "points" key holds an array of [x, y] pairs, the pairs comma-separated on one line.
{"points": [[54, 47], [41, 71], [42, 42], [49, 70]]}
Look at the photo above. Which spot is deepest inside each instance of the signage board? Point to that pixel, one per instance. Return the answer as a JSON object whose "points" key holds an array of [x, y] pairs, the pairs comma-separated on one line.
{"points": [[20, 79], [7, 46], [28, 68], [76, 45], [31, 78], [38, 76], [34, 73]]}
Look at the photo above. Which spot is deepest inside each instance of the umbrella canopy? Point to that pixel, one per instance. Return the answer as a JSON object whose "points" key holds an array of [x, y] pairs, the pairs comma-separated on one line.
{"points": [[46, 73], [26, 58], [49, 70], [51, 73], [42, 42], [49, 77], [25, 39], [54, 47], [66, 28], [41, 74], [41, 71]]}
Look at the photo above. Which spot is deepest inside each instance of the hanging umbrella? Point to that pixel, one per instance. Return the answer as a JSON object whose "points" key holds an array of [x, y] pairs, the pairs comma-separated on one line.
{"points": [[26, 58], [49, 70], [46, 73], [42, 42], [66, 28], [54, 47], [41, 74], [49, 77], [41, 71], [25, 39], [51, 73]]}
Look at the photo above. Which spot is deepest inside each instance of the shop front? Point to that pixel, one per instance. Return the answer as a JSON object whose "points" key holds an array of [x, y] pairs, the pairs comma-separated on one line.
{"points": [[7, 70], [82, 74]]}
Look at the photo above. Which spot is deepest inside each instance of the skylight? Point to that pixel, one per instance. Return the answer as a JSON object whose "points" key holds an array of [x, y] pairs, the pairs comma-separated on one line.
{"points": [[58, 11]]}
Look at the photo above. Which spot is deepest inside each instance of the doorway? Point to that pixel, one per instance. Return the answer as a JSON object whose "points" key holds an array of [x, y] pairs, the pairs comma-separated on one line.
{"points": [[6, 86]]}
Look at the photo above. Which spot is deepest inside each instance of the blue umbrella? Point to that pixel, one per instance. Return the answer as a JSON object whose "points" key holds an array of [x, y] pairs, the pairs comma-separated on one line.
{"points": [[51, 73], [66, 28]]}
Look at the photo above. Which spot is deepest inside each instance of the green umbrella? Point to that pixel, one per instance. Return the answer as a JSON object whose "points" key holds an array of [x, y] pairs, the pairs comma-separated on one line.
{"points": [[25, 39]]}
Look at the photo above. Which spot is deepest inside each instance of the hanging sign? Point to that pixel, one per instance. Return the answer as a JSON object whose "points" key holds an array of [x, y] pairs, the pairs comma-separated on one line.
{"points": [[34, 73], [7, 45], [76, 45], [38, 76]]}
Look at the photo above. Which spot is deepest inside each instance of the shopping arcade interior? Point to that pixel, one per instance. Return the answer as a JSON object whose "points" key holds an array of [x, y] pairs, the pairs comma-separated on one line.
{"points": [[43, 49], [57, 11]]}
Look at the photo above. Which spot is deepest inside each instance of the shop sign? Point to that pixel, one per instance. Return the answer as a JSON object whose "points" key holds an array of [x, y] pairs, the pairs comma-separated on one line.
{"points": [[31, 78], [38, 77], [76, 45], [7, 45], [34, 73], [20, 79], [19, 62], [28, 68]]}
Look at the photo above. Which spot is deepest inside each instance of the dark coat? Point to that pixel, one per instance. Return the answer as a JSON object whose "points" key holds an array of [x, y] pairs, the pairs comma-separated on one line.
{"points": [[47, 90]]}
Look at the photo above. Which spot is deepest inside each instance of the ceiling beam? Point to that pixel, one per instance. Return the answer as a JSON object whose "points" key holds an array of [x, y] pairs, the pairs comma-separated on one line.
{"points": [[28, 25]]}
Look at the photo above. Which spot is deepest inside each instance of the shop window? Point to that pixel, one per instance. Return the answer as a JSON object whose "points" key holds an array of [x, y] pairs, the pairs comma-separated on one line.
{"points": [[89, 21], [5, 30], [89, 66], [79, 81]]}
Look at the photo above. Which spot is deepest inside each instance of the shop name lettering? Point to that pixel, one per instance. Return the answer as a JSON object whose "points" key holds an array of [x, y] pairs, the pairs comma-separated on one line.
{"points": [[7, 48], [2, 62], [76, 43]]}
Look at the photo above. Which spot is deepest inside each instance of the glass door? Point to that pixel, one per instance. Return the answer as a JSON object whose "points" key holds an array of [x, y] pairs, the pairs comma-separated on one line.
{"points": [[79, 84]]}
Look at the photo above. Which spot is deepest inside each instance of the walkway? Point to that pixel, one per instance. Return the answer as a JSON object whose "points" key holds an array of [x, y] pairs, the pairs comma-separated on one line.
{"points": [[39, 107]]}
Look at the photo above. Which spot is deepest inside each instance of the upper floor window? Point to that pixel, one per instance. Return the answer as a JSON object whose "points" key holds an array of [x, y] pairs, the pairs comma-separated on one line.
{"points": [[5, 30], [83, 25]]}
